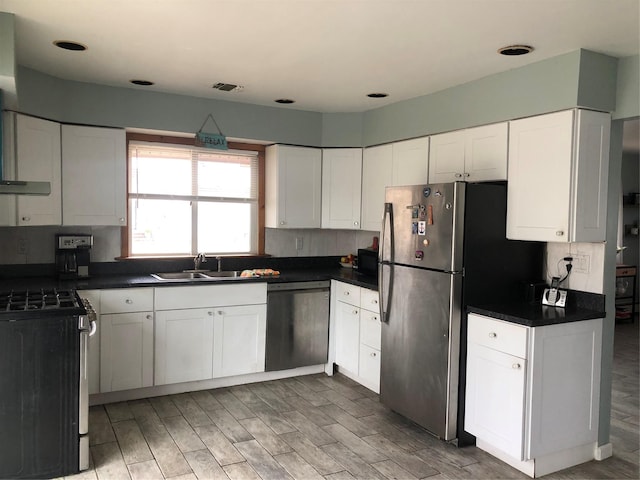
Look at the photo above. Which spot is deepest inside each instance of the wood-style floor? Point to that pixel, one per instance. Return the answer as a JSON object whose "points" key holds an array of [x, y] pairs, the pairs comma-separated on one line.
{"points": [[318, 427]]}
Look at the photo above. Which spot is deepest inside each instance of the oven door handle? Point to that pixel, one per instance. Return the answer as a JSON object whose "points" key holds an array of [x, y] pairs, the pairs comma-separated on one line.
{"points": [[94, 327]]}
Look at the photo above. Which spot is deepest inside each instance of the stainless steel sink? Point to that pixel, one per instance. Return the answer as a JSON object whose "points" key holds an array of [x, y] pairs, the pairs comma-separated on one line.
{"points": [[179, 276], [227, 273], [196, 275]]}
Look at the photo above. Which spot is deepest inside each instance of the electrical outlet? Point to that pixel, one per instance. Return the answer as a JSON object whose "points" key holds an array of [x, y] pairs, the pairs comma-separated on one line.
{"points": [[581, 263], [299, 243], [23, 246]]}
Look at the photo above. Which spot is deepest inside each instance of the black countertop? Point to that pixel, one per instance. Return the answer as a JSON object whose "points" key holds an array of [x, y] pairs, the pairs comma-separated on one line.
{"points": [[146, 280], [580, 306]]}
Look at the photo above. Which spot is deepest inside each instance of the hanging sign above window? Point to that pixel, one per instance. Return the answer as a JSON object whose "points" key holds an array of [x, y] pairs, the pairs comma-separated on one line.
{"points": [[211, 140]]}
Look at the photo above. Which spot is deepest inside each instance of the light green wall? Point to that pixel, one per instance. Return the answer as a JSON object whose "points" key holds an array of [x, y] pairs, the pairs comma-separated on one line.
{"points": [[541, 87], [597, 81], [628, 88], [77, 102], [342, 129]]}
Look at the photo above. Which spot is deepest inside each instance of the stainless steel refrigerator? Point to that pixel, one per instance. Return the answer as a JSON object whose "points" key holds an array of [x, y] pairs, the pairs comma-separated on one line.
{"points": [[443, 247]]}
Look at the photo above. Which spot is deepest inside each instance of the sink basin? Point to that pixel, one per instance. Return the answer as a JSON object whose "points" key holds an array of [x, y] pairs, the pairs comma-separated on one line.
{"points": [[199, 275], [227, 273], [179, 275]]}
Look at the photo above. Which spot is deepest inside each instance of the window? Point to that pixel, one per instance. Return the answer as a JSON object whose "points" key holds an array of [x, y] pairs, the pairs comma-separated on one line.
{"points": [[184, 200]]}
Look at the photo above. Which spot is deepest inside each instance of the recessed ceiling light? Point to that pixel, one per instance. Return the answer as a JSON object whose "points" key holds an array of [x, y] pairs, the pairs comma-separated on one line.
{"points": [[228, 87], [377, 95], [285, 101], [144, 83], [68, 45], [513, 50]]}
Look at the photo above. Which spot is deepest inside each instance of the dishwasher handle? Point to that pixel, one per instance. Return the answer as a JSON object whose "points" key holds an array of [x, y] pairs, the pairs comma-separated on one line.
{"points": [[303, 286]]}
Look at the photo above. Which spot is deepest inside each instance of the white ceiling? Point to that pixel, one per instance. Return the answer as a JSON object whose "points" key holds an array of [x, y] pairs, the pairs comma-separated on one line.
{"points": [[325, 54]]}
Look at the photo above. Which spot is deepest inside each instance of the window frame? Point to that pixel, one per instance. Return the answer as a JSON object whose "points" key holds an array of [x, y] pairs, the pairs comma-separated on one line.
{"points": [[190, 142]]}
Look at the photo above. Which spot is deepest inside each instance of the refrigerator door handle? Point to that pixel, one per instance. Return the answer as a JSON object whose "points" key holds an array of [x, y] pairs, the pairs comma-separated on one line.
{"points": [[385, 296]]}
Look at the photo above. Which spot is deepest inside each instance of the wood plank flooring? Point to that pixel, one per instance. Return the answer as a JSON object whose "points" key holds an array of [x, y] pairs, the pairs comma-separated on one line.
{"points": [[319, 427]]}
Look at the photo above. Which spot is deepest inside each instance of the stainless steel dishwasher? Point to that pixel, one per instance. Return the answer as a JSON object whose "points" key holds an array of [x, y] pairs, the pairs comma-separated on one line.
{"points": [[297, 324]]}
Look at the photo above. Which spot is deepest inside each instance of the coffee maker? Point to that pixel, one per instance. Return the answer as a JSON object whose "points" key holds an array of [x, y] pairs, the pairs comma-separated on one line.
{"points": [[73, 255]]}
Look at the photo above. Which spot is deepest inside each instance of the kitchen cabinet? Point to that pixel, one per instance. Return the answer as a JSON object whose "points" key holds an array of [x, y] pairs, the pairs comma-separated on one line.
{"points": [[239, 340], [293, 187], [209, 331], [399, 163], [358, 331], [377, 169], [126, 339], [410, 162], [94, 171], [341, 188], [32, 153], [474, 155], [558, 174], [532, 393]]}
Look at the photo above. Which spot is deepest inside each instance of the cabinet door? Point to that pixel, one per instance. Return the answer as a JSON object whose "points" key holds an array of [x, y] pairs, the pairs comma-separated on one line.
{"points": [[126, 351], [239, 340], [411, 162], [539, 191], [341, 188], [293, 187], [184, 345], [486, 153], [369, 371], [446, 157], [376, 172], [347, 336], [495, 395], [38, 159], [94, 170]]}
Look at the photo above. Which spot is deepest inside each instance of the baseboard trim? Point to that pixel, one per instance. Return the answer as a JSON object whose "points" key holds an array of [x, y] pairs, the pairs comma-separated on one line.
{"points": [[603, 451]]}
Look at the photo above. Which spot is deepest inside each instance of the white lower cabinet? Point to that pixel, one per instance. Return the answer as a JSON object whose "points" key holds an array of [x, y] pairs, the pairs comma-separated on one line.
{"points": [[184, 345], [223, 337], [533, 393], [126, 339], [239, 339], [357, 330]]}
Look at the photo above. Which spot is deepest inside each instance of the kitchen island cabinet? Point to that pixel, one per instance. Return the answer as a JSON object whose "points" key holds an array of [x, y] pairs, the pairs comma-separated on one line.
{"points": [[471, 155], [293, 187], [532, 393], [94, 171], [558, 174]]}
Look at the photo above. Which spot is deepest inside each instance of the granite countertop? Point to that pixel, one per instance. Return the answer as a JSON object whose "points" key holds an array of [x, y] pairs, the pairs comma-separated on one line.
{"points": [[580, 306], [146, 280]]}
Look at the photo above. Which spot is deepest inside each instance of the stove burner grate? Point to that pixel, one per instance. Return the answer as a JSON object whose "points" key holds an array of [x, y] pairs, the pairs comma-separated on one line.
{"points": [[38, 299]]}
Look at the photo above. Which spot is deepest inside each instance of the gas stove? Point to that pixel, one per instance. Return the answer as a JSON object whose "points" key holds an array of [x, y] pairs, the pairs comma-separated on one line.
{"points": [[39, 300]]}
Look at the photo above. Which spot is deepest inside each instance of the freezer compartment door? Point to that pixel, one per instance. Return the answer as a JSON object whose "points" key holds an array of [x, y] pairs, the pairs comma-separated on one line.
{"points": [[426, 225], [421, 346]]}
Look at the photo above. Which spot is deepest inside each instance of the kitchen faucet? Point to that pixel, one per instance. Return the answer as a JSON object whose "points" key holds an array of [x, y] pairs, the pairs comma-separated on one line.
{"points": [[199, 259]]}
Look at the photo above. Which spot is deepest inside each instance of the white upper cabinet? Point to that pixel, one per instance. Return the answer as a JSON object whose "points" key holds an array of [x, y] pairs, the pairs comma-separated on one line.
{"points": [[293, 187], [93, 176], [32, 153], [377, 169], [410, 160], [558, 173], [473, 155], [341, 187]]}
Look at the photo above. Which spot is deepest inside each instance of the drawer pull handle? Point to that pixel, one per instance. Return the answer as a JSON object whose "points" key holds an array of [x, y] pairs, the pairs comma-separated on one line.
{"points": [[516, 366], [375, 302], [559, 233], [374, 318], [210, 313], [346, 292], [373, 354], [149, 317], [220, 312], [493, 334], [355, 312], [128, 301]]}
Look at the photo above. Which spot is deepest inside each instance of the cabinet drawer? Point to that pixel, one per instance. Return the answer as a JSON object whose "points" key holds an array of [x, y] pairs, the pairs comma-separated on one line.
{"points": [[369, 300], [123, 300], [348, 293], [498, 335], [370, 329], [206, 296]]}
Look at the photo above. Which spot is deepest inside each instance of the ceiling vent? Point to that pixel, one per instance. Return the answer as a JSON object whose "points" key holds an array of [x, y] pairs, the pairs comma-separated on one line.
{"points": [[228, 87]]}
